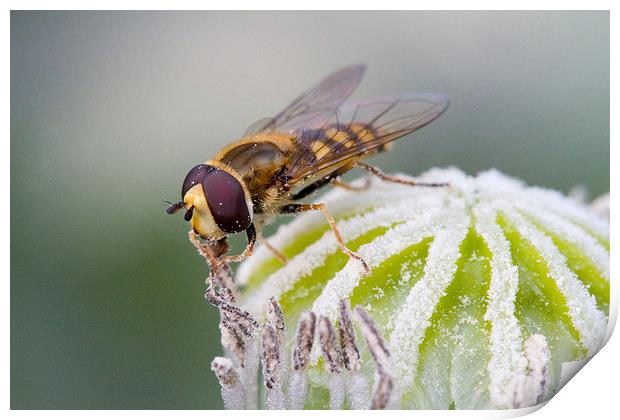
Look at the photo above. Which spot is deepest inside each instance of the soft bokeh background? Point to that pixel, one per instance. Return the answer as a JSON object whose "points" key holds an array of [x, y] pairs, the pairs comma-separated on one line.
{"points": [[109, 111]]}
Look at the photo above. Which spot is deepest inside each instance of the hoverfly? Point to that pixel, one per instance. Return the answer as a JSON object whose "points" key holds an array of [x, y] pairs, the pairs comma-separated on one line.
{"points": [[280, 161]]}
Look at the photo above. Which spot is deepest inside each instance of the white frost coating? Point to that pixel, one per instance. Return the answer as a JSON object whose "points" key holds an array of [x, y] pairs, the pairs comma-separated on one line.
{"points": [[588, 320], [517, 371], [314, 255], [414, 315], [233, 398], [507, 358], [600, 206], [336, 391], [339, 201], [275, 399], [495, 184], [248, 375], [556, 202], [297, 390], [573, 234], [374, 253], [357, 390]]}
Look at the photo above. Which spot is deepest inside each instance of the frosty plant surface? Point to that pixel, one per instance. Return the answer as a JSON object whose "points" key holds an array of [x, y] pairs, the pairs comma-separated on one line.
{"points": [[479, 293]]}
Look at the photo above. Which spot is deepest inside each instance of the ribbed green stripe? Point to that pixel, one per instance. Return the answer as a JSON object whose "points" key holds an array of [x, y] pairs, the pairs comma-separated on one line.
{"points": [[457, 341], [601, 240], [305, 291], [386, 289], [540, 307], [587, 272], [301, 242], [272, 264]]}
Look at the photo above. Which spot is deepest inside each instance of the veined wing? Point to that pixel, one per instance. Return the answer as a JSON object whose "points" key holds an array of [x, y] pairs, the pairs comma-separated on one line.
{"points": [[315, 106], [361, 128]]}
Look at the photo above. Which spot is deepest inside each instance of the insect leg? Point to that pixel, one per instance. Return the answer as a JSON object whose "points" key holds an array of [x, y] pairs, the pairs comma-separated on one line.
{"points": [[320, 183], [312, 188], [298, 208], [251, 232], [273, 249], [209, 251], [398, 180], [337, 182]]}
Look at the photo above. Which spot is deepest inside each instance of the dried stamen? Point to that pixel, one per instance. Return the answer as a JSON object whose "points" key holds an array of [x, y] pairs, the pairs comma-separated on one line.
{"points": [[272, 368], [237, 326], [271, 357], [529, 389], [298, 382], [381, 398], [225, 372], [232, 390], [226, 294], [356, 386], [374, 339], [275, 318], [384, 389], [329, 345], [219, 289], [224, 280], [303, 343], [234, 313], [348, 347], [233, 340], [537, 353], [333, 362], [241, 327]]}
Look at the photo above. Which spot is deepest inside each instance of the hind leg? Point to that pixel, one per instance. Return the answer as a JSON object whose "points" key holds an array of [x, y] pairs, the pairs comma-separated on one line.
{"points": [[345, 185], [279, 255], [395, 179]]}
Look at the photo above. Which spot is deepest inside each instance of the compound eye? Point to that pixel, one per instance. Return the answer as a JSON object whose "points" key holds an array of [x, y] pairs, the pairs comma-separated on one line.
{"points": [[193, 177], [226, 200]]}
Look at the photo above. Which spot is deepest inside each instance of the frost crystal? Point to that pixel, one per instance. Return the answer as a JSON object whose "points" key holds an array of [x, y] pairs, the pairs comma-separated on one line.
{"points": [[479, 292]]}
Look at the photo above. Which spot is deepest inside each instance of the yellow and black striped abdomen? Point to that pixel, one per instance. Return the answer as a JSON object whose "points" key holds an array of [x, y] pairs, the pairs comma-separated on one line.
{"points": [[334, 140]]}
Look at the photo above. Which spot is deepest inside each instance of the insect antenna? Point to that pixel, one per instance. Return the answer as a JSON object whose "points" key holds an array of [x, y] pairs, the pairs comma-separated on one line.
{"points": [[173, 207]]}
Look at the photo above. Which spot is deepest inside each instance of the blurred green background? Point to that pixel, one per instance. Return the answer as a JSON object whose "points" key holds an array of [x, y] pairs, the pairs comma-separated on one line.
{"points": [[110, 109]]}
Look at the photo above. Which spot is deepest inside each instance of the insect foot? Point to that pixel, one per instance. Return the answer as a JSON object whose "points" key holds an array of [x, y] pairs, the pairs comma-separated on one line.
{"points": [[478, 294]]}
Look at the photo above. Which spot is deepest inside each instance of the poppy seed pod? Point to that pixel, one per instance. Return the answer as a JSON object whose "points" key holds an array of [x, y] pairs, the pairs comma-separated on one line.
{"points": [[479, 293]]}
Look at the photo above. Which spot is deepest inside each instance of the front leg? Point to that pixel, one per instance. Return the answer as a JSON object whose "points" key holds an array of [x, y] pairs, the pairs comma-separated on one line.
{"points": [[211, 251], [298, 208], [251, 232]]}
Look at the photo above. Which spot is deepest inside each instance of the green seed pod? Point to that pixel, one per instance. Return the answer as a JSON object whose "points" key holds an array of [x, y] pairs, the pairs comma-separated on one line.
{"points": [[479, 293]]}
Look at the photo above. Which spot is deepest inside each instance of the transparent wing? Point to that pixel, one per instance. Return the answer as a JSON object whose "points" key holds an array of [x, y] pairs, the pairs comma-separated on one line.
{"points": [[258, 126], [362, 128], [316, 105]]}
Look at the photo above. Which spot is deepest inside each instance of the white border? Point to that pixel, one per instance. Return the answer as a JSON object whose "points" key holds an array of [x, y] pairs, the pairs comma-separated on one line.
{"points": [[598, 381], [308, 5]]}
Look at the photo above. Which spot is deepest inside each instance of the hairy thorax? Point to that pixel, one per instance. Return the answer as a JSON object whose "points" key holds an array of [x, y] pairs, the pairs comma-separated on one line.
{"points": [[261, 161]]}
